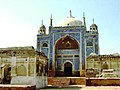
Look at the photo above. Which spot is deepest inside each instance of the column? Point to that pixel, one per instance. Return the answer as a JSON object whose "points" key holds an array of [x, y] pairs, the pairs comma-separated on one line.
{"points": [[27, 66], [13, 66], [35, 66]]}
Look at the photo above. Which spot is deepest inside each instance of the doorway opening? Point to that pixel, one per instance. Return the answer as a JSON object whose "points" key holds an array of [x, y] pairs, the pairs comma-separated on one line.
{"points": [[68, 69]]}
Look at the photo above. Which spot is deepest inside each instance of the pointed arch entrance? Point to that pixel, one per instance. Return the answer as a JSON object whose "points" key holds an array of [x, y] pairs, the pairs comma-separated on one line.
{"points": [[66, 52], [68, 69]]}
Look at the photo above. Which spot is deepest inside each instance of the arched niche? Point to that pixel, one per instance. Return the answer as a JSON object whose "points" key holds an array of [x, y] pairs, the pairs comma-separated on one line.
{"points": [[66, 42], [21, 70]]}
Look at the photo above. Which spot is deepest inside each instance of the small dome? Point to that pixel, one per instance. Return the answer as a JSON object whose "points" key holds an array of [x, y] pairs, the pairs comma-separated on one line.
{"points": [[70, 21], [93, 25], [43, 26]]}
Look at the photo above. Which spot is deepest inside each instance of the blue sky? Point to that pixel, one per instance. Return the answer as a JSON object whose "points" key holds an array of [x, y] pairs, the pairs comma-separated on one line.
{"points": [[21, 19]]}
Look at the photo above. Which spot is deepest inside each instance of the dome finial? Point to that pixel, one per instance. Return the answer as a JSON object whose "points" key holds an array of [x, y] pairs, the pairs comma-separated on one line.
{"points": [[93, 20], [51, 20], [51, 16], [70, 14], [41, 22], [83, 14]]}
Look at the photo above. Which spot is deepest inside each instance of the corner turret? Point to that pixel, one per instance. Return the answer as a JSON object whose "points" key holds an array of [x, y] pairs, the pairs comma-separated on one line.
{"points": [[93, 27], [42, 29]]}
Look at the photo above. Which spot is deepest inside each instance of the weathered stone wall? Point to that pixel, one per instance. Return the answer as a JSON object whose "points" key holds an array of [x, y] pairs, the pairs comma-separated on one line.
{"points": [[96, 63], [38, 81], [103, 82], [22, 65]]}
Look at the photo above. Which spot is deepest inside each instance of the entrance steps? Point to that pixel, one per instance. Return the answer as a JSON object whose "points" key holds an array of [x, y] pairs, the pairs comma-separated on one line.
{"points": [[66, 81]]}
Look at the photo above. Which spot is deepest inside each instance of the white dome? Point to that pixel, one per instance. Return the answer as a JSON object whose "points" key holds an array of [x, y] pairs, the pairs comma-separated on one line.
{"points": [[71, 21]]}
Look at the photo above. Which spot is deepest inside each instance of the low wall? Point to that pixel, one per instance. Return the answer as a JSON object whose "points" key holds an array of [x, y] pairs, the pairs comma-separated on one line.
{"points": [[66, 81], [58, 81], [77, 81], [102, 82], [38, 81], [17, 87]]}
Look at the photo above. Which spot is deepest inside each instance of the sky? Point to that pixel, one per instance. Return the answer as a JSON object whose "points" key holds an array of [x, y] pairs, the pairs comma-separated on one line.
{"points": [[20, 20]]}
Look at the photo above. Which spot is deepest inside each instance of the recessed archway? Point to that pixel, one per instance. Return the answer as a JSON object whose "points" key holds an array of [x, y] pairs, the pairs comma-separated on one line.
{"points": [[66, 49]]}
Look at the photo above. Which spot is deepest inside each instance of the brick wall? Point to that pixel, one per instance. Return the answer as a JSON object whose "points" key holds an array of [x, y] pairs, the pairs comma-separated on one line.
{"points": [[65, 81]]}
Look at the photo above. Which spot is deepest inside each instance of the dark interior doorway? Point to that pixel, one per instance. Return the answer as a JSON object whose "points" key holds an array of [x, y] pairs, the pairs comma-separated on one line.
{"points": [[68, 69]]}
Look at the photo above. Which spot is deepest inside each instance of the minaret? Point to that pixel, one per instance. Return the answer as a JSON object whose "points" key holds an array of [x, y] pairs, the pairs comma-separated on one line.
{"points": [[95, 34], [51, 20], [84, 22], [42, 29]]}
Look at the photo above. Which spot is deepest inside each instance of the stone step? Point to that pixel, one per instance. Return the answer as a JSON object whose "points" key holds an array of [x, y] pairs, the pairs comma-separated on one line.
{"points": [[66, 81], [59, 81]]}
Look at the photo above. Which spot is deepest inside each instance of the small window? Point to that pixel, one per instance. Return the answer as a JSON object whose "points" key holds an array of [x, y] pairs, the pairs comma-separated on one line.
{"points": [[45, 45], [76, 55]]}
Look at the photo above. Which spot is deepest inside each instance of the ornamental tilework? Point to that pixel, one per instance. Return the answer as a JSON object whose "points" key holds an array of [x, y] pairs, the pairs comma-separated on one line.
{"points": [[59, 65], [45, 50], [71, 52], [70, 59], [77, 34], [76, 64], [89, 50]]}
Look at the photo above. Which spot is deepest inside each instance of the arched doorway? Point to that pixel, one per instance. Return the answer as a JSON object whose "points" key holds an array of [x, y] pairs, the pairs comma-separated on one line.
{"points": [[6, 74], [66, 48], [68, 69]]}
